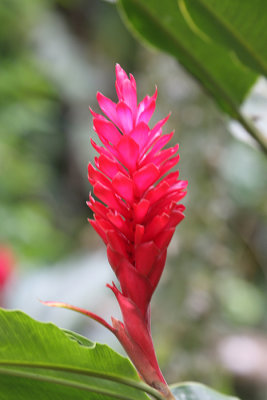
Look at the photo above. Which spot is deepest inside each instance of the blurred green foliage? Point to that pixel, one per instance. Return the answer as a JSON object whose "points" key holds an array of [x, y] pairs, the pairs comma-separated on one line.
{"points": [[215, 280], [32, 143]]}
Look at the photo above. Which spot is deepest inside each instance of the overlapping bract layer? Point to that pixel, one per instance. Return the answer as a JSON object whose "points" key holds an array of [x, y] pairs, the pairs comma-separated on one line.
{"points": [[140, 195]]}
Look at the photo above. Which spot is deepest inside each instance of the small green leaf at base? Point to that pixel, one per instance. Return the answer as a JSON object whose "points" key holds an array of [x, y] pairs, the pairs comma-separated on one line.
{"points": [[197, 391]]}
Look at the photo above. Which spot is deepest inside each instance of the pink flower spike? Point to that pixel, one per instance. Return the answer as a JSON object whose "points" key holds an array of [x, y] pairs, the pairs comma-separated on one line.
{"points": [[7, 263], [143, 211], [134, 165], [136, 214], [7, 267]]}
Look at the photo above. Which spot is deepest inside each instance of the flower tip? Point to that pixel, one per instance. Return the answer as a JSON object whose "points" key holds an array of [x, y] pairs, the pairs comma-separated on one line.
{"points": [[133, 82], [53, 303], [113, 287], [118, 69], [94, 114], [155, 95], [120, 73], [99, 96]]}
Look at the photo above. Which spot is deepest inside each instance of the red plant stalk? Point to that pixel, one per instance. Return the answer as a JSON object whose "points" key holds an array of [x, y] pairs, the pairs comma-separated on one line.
{"points": [[137, 215]]}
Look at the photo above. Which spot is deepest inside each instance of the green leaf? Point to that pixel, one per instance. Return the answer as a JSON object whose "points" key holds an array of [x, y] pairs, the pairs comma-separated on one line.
{"points": [[237, 24], [197, 391], [40, 361], [162, 25]]}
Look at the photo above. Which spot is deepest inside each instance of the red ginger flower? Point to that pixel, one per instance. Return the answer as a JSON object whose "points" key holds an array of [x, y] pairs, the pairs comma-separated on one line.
{"points": [[7, 263], [139, 214]]}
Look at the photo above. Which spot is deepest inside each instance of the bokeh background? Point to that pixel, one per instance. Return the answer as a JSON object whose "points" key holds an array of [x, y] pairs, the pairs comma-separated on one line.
{"points": [[209, 314]]}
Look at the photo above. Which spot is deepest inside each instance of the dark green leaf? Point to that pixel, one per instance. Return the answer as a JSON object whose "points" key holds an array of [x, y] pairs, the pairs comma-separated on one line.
{"points": [[237, 24], [162, 25]]}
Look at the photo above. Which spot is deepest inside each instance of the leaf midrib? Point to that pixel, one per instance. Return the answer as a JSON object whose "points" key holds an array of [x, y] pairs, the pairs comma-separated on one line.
{"points": [[83, 371], [61, 382]]}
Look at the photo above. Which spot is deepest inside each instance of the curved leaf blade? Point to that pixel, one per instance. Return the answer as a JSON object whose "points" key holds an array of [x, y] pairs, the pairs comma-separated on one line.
{"points": [[197, 391], [60, 364], [162, 25], [238, 25]]}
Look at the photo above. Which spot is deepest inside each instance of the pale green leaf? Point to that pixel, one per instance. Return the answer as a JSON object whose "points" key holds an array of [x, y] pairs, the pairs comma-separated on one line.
{"points": [[197, 391]]}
